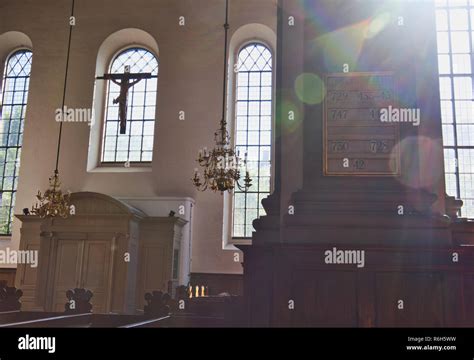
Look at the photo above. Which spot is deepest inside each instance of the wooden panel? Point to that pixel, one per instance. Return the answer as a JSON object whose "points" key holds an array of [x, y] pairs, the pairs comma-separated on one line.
{"points": [[95, 272], [324, 299], [27, 280], [8, 275], [152, 273], [67, 271], [422, 298], [469, 299], [29, 274], [159, 237], [366, 298], [154, 268]]}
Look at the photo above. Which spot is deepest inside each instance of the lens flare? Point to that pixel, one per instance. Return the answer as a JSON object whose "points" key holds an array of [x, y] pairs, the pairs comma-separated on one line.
{"points": [[341, 46], [423, 173], [310, 88], [377, 24]]}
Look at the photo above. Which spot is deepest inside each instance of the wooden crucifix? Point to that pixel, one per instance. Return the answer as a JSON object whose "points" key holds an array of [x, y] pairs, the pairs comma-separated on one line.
{"points": [[125, 81]]}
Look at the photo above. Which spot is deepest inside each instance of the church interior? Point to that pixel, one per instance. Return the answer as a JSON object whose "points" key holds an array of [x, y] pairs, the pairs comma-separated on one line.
{"points": [[237, 163]]}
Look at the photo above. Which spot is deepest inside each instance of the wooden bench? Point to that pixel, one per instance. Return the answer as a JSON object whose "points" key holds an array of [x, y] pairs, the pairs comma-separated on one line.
{"points": [[20, 316], [160, 312], [79, 320]]}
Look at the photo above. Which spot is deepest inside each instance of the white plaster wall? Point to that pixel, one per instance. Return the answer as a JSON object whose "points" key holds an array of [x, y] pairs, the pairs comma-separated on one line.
{"points": [[190, 79]]}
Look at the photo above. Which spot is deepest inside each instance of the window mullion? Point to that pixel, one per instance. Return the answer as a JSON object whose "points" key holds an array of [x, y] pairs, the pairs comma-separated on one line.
{"points": [[453, 107]]}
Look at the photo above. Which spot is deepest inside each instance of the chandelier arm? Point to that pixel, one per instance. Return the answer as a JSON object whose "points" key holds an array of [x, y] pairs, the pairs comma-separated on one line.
{"points": [[241, 188]]}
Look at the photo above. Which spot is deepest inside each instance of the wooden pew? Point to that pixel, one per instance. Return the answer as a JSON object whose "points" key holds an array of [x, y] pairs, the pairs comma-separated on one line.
{"points": [[46, 319], [179, 321], [150, 323], [76, 320], [20, 316], [9, 297], [113, 320], [160, 312], [196, 321], [88, 320], [77, 315]]}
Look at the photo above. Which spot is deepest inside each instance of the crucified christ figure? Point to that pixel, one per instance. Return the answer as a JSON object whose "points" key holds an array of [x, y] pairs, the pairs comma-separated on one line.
{"points": [[122, 100], [125, 81]]}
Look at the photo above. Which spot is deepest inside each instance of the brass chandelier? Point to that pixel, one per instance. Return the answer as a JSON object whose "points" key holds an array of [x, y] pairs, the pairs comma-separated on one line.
{"points": [[221, 165], [53, 202]]}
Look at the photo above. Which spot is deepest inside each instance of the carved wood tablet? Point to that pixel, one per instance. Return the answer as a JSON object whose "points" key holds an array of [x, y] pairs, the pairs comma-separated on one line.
{"points": [[356, 141]]}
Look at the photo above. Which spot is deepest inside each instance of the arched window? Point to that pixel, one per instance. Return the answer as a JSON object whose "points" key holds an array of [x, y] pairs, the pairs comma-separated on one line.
{"points": [[15, 85], [455, 28], [137, 144], [253, 133]]}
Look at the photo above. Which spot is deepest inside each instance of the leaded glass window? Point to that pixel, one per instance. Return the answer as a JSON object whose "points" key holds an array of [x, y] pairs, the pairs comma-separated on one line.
{"points": [[137, 144], [15, 85], [253, 133], [454, 21]]}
